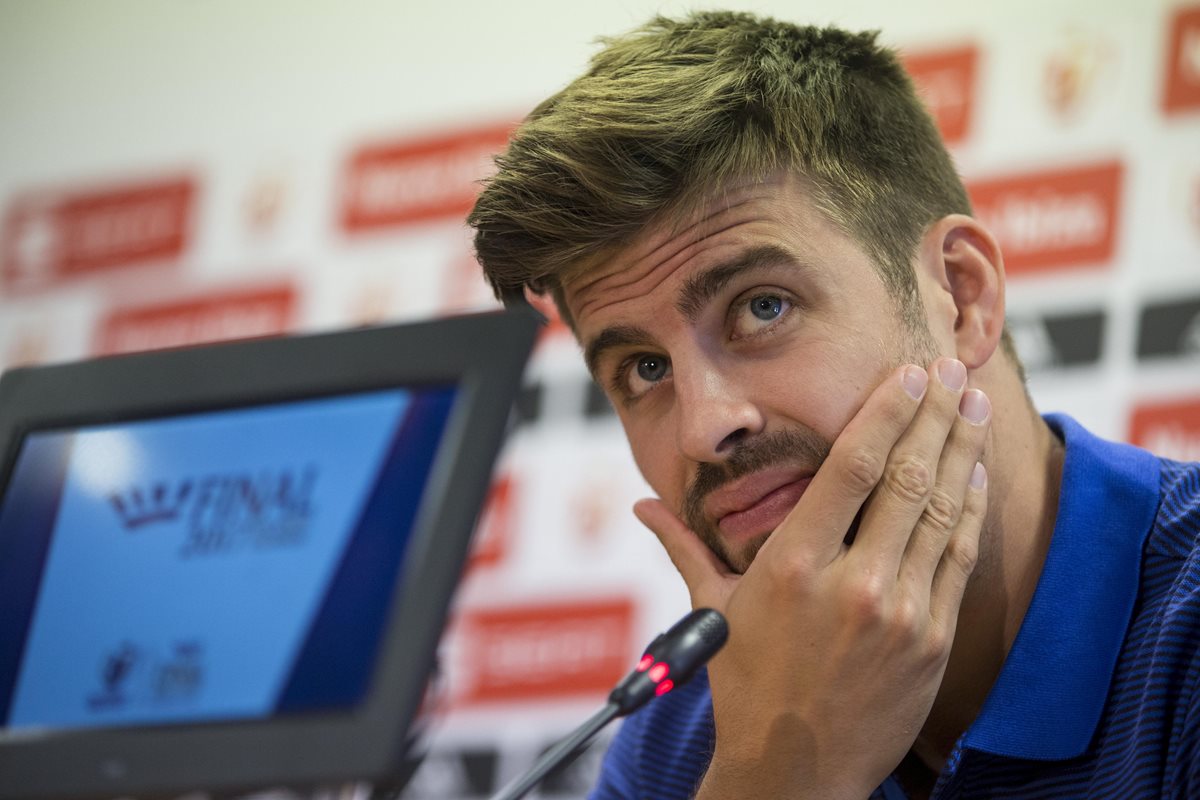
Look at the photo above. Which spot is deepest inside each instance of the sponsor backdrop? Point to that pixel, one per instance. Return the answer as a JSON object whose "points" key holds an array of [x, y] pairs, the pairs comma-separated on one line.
{"points": [[175, 173]]}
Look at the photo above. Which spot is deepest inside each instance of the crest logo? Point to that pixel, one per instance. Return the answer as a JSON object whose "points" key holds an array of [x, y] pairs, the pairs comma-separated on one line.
{"points": [[160, 502], [1074, 71]]}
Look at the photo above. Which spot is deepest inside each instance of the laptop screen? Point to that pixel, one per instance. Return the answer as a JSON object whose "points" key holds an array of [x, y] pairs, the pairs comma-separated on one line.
{"points": [[219, 566]]}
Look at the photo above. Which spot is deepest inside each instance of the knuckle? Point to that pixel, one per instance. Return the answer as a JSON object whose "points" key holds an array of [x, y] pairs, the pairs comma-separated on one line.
{"points": [[790, 574], [941, 510], [909, 478], [861, 470], [963, 553], [868, 599], [938, 642]]}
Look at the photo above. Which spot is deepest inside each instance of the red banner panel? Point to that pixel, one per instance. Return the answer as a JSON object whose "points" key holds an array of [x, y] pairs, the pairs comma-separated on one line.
{"points": [[1057, 219], [219, 316], [546, 651], [396, 184], [1181, 91], [53, 237], [1170, 429], [945, 80]]}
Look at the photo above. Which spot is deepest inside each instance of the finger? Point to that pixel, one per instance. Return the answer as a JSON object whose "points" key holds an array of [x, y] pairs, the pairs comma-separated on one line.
{"points": [[704, 573], [910, 473], [963, 450], [826, 510], [961, 554]]}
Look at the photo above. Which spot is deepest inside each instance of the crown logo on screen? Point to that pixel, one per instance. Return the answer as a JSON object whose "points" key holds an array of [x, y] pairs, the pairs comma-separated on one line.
{"points": [[160, 502]]}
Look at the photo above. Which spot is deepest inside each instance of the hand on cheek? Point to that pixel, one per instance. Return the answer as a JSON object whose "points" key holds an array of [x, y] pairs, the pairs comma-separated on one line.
{"points": [[836, 651]]}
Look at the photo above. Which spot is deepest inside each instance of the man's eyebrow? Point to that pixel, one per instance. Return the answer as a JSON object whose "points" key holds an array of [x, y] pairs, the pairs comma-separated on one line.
{"points": [[616, 336], [702, 287]]}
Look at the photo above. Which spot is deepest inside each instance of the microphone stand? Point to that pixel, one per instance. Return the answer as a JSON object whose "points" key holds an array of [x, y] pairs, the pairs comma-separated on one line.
{"points": [[574, 743]]}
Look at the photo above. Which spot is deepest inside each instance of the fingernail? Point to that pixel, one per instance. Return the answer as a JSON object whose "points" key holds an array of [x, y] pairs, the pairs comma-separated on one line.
{"points": [[978, 476], [952, 374], [974, 406], [915, 380]]}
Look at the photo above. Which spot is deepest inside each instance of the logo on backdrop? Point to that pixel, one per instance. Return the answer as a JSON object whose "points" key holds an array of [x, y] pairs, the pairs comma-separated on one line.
{"points": [[1170, 429], [218, 316], [1079, 67], [223, 514], [394, 184], [545, 651], [1181, 90], [946, 81], [52, 237], [1057, 219]]}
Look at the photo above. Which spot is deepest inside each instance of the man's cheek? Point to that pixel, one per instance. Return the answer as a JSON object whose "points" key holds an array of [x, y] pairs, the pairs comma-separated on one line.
{"points": [[663, 468]]}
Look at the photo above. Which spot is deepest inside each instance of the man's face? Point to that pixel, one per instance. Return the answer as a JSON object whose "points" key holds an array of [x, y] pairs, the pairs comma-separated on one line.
{"points": [[735, 349]]}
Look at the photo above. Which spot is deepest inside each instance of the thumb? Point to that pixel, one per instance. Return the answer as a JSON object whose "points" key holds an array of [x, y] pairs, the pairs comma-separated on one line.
{"points": [[706, 575]]}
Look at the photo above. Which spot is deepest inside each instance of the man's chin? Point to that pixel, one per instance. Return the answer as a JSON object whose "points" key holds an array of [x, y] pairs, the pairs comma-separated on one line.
{"points": [[741, 560]]}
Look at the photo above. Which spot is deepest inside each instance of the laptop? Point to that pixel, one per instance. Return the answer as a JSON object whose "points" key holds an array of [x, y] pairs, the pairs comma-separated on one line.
{"points": [[227, 567]]}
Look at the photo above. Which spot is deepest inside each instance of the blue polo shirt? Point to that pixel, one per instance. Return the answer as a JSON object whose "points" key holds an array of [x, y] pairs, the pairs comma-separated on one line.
{"points": [[1098, 696]]}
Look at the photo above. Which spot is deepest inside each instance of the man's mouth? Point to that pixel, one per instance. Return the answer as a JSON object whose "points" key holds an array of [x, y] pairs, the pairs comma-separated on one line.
{"points": [[757, 503]]}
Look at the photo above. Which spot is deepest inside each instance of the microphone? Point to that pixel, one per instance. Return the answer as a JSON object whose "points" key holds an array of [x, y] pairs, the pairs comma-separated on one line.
{"points": [[670, 660]]}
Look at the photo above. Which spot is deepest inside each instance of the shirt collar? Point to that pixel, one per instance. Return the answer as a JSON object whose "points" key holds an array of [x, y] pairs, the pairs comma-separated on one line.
{"points": [[1054, 683]]}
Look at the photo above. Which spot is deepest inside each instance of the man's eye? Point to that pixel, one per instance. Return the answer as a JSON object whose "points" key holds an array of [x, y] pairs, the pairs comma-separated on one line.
{"points": [[766, 307], [642, 373], [758, 313], [652, 369]]}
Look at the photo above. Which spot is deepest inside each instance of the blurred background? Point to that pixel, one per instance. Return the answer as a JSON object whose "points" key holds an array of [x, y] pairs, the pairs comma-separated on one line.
{"points": [[190, 171]]}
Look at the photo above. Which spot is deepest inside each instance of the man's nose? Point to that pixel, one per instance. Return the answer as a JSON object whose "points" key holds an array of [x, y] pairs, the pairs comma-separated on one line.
{"points": [[713, 413]]}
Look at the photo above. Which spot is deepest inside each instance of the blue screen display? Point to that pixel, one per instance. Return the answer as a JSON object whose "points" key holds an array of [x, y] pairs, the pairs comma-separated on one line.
{"points": [[232, 564]]}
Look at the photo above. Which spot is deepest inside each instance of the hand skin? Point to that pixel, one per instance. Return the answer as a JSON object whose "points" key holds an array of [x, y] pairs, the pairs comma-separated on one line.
{"points": [[836, 651]]}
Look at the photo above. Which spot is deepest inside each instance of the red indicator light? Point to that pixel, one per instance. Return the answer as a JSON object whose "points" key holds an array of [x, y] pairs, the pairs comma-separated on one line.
{"points": [[664, 687], [645, 663], [659, 671]]}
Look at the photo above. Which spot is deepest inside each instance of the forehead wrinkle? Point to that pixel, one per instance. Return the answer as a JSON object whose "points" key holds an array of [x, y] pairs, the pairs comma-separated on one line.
{"points": [[700, 288], [613, 281], [615, 336]]}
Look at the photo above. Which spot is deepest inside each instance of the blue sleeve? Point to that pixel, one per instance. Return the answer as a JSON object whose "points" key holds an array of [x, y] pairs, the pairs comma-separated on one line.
{"points": [[662, 751], [617, 779]]}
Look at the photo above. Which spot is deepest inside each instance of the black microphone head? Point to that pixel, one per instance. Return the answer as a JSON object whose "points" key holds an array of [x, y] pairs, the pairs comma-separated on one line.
{"points": [[691, 642], [672, 658]]}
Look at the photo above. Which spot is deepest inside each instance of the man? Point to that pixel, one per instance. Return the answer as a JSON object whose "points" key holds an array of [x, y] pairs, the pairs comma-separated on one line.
{"points": [[769, 260]]}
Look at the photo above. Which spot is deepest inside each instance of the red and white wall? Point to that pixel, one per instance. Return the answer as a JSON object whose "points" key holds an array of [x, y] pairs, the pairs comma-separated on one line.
{"points": [[174, 173]]}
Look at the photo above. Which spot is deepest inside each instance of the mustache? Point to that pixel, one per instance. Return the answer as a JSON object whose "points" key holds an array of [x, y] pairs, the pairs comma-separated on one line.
{"points": [[788, 446]]}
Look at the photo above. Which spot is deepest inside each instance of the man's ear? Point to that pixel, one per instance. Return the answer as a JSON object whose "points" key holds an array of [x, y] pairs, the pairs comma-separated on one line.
{"points": [[543, 303], [962, 257]]}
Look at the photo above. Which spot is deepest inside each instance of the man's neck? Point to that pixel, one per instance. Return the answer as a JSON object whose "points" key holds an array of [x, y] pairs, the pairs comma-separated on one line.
{"points": [[1024, 461]]}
